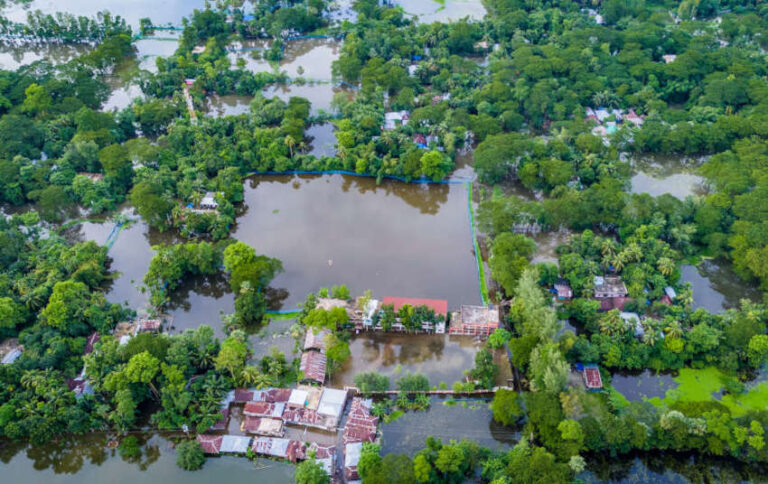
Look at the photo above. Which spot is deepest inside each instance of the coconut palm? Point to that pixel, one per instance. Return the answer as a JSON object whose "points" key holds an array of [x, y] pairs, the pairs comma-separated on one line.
{"points": [[249, 375], [650, 333], [673, 329], [290, 142], [665, 265], [611, 324]]}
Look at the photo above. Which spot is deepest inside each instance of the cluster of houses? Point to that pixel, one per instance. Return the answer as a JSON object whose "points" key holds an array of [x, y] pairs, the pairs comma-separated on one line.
{"points": [[608, 120], [10, 351], [612, 294], [468, 320], [267, 414]]}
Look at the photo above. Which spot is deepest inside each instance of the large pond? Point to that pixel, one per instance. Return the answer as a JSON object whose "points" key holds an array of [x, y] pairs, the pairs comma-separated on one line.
{"points": [[162, 12], [470, 420], [716, 287], [397, 239], [87, 460], [659, 175], [429, 11]]}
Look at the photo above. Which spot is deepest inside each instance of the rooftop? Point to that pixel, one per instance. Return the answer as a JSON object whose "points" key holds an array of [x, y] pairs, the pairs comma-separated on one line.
{"points": [[332, 402], [313, 365], [440, 306], [315, 340], [264, 409], [211, 444], [480, 315]]}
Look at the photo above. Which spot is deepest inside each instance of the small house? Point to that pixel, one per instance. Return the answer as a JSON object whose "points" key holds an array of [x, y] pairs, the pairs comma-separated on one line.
{"points": [[602, 114], [12, 356], [234, 444], [148, 325], [189, 82], [420, 140], [269, 427], [394, 119], [634, 118], [610, 303], [352, 453], [632, 320], [264, 409], [475, 321], [313, 365], [211, 444], [412, 69], [94, 177], [361, 425], [198, 49], [482, 46], [669, 58], [332, 403], [563, 291], [315, 340], [208, 202], [670, 292], [439, 306], [609, 286], [592, 379], [292, 450]]}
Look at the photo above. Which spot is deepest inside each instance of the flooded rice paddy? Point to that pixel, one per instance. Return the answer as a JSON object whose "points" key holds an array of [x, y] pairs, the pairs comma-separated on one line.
{"points": [[470, 420]]}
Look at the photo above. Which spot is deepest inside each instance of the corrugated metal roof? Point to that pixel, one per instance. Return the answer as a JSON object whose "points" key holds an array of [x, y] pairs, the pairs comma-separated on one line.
{"points": [[264, 409], [313, 365], [332, 402], [235, 444], [211, 444]]}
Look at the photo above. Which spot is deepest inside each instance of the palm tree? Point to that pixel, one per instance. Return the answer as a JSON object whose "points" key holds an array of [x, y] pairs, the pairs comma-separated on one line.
{"points": [[665, 265], [674, 330], [618, 262], [249, 375], [611, 324], [650, 333], [290, 142]]}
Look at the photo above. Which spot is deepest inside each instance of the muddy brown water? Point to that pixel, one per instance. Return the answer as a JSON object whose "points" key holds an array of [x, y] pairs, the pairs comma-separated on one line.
{"points": [[397, 239]]}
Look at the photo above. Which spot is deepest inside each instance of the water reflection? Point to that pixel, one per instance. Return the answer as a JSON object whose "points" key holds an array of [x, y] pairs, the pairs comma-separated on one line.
{"points": [[87, 460], [636, 386], [161, 12], [471, 420], [319, 94], [148, 50], [716, 287], [669, 468], [14, 55], [429, 11], [322, 139], [394, 238], [201, 300], [440, 357], [228, 105], [307, 58], [659, 175]]}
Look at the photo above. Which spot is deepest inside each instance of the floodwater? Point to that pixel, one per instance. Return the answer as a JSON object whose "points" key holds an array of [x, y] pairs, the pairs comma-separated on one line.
{"points": [[668, 468], [716, 287], [276, 334], [397, 239], [162, 12], [429, 11], [472, 420], [87, 460], [547, 244], [636, 386], [148, 50], [442, 358], [322, 139], [228, 105], [319, 94], [659, 175], [14, 55], [124, 86], [307, 58]]}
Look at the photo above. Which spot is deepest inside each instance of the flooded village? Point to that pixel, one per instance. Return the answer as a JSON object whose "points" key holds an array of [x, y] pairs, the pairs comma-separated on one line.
{"points": [[353, 250]]}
